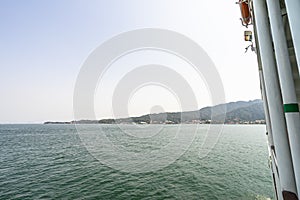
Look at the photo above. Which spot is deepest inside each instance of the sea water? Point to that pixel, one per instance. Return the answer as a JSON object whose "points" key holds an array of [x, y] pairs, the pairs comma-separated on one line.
{"points": [[53, 162]]}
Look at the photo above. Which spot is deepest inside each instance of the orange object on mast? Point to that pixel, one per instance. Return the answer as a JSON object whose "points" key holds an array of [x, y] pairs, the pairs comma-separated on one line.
{"points": [[245, 11]]}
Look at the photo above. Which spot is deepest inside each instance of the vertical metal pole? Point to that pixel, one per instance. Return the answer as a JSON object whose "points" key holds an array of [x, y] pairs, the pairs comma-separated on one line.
{"points": [[285, 73], [278, 126], [293, 13], [272, 165], [263, 87], [266, 108], [275, 177]]}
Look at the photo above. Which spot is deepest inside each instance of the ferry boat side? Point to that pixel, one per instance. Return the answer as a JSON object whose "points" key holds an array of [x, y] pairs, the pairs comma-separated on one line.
{"points": [[273, 29]]}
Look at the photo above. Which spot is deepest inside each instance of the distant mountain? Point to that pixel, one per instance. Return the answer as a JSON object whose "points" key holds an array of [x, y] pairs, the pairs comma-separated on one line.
{"points": [[240, 112], [248, 113]]}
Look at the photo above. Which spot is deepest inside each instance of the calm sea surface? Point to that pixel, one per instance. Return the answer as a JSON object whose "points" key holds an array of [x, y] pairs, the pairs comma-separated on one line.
{"points": [[50, 162]]}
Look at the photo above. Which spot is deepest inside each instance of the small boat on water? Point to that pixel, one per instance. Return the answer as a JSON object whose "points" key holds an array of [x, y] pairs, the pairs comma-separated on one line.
{"points": [[273, 29]]}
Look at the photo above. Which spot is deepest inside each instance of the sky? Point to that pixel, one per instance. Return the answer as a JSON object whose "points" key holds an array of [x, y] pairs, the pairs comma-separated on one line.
{"points": [[44, 44]]}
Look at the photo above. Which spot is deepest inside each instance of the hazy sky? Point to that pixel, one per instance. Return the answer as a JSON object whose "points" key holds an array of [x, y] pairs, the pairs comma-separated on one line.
{"points": [[44, 44]]}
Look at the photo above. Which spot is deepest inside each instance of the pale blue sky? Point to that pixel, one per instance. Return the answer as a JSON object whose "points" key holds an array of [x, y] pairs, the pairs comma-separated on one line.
{"points": [[44, 43]]}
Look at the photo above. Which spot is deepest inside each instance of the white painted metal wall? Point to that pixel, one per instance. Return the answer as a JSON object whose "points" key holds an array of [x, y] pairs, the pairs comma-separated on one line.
{"points": [[278, 46]]}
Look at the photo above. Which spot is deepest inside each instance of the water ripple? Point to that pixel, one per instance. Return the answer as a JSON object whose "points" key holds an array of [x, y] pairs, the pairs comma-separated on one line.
{"points": [[49, 162]]}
